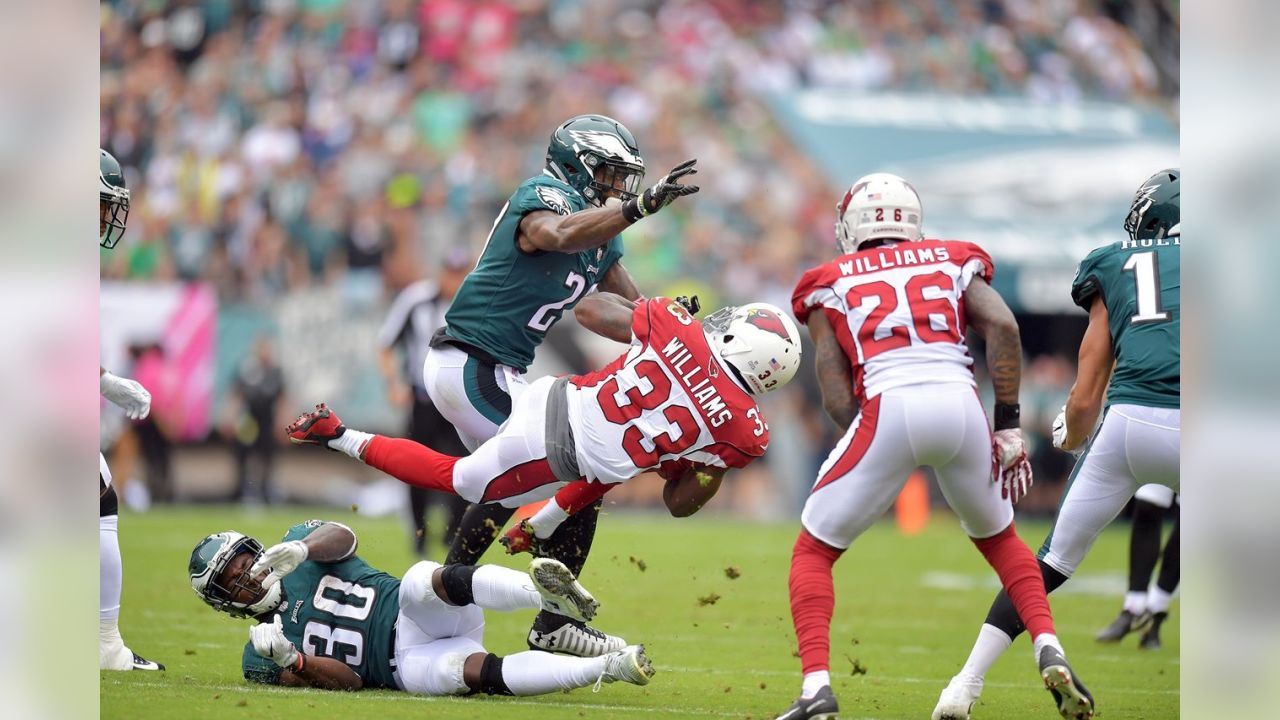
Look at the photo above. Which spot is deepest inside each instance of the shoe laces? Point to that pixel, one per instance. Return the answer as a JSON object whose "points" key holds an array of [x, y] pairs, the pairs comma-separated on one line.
{"points": [[608, 660]]}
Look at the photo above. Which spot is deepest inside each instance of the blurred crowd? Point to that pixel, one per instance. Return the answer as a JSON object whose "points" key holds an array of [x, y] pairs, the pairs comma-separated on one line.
{"points": [[275, 145]]}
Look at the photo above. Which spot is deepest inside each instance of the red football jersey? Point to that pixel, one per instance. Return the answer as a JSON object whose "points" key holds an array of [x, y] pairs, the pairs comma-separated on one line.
{"points": [[667, 402], [898, 310]]}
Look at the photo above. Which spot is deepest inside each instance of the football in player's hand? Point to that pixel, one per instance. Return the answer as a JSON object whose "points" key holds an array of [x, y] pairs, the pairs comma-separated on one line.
{"points": [[686, 494]]}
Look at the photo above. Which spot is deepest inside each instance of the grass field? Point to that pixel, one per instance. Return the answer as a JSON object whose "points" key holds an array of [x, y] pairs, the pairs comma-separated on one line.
{"points": [[907, 611]]}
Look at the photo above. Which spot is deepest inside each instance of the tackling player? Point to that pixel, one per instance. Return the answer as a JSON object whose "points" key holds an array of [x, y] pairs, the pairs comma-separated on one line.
{"points": [[1132, 292], [113, 654], [555, 241], [888, 319], [681, 401], [329, 620]]}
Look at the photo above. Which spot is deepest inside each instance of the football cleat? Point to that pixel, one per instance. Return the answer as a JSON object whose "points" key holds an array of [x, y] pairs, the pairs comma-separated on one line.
{"points": [[317, 427], [822, 706], [1151, 638], [629, 664], [561, 592], [1125, 623], [559, 634], [957, 699], [1072, 697], [141, 663]]}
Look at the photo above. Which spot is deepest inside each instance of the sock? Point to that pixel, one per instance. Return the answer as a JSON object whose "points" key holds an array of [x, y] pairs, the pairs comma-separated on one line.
{"points": [[571, 542], [536, 673], [813, 682], [813, 600], [1135, 602], [1016, 565], [110, 570], [1144, 547], [1158, 600], [991, 644], [1045, 640], [408, 461], [479, 527], [547, 519], [494, 587], [1171, 562], [352, 442], [1004, 615]]}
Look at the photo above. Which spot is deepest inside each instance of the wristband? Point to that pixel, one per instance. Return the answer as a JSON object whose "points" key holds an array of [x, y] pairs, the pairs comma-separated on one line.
{"points": [[1008, 416], [301, 663], [632, 211]]}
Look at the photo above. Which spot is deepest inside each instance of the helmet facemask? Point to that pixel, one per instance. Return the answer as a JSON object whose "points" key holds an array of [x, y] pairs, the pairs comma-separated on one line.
{"points": [[113, 214], [611, 179], [218, 592]]}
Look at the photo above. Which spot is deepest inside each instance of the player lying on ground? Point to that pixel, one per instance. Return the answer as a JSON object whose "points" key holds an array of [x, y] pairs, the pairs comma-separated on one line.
{"points": [[329, 620], [1131, 354], [680, 401], [888, 319]]}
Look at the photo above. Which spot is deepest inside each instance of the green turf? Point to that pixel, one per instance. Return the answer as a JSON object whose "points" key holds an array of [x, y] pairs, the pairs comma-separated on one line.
{"points": [[732, 658]]}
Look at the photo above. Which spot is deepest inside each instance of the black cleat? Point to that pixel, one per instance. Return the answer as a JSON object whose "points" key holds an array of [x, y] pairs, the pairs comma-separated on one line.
{"points": [[1125, 623], [822, 706], [1071, 696], [141, 663], [1151, 638]]}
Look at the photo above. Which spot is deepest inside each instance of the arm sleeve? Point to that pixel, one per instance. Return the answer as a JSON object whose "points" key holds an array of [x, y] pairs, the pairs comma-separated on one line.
{"points": [[642, 318], [258, 669]]}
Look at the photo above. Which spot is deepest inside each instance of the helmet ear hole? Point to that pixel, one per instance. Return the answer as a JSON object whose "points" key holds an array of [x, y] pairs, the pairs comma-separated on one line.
{"points": [[728, 338]]}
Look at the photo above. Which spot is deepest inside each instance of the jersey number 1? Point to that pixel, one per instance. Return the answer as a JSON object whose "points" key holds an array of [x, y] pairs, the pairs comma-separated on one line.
{"points": [[1146, 274]]}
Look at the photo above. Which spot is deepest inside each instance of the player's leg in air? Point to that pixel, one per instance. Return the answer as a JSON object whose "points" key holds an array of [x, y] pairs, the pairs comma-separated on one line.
{"points": [[439, 648], [112, 652], [1150, 505], [1134, 446]]}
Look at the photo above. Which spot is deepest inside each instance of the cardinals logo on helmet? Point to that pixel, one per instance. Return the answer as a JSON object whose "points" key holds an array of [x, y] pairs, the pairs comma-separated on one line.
{"points": [[768, 321]]}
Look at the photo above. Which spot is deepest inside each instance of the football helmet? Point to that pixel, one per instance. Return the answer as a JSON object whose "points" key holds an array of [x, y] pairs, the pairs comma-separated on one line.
{"points": [[1156, 209], [113, 200], [209, 561], [879, 206], [759, 343], [596, 155]]}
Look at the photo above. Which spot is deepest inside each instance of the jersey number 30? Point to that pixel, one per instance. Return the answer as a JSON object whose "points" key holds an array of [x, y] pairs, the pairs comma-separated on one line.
{"points": [[338, 599]]}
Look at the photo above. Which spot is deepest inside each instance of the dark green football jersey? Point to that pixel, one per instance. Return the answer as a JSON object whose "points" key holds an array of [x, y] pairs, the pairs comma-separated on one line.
{"points": [[345, 610], [1139, 280], [512, 298]]}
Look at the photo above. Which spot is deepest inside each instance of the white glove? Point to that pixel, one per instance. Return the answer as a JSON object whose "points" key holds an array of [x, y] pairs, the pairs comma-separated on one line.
{"points": [[1010, 466], [269, 641], [1060, 433], [128, 394], [282, 558]]}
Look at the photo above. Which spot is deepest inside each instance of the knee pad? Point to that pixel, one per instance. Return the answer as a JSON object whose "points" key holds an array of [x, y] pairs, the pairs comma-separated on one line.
{"points": [[416, 587], [457, 583], [491, 681]]}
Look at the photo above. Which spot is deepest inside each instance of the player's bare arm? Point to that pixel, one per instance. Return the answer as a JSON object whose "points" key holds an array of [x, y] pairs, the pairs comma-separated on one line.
{"points": [[551, 232], [607, 315], [331, 542], [688, 493], [834, 375], [1095, 363], [994, 321], [619, 282], [323, 673]]}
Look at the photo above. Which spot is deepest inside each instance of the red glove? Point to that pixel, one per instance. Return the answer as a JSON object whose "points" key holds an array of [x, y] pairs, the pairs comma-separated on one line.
{"points": [[520, 538]]}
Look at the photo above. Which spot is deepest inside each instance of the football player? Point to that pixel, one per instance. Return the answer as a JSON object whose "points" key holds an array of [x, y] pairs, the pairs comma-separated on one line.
{"points": [[113, 212], [1146, 607], [327, 619], [1131, 290], [888, 319], [554, 243], [681, 400]]}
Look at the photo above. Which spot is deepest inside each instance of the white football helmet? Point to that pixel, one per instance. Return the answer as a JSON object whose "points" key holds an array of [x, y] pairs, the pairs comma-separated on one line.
{"points": [[759, 341], [878, 206]]}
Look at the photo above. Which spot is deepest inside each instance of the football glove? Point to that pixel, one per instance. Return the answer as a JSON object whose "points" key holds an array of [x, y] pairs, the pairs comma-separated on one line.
{"points": [[128, 394], [282, 559], [1010, 466], [521, 538], [269, 641], [662, 193], [690, 303], [1060, 433]]}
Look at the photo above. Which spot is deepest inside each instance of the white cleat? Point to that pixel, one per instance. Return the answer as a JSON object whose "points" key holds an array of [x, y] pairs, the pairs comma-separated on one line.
{"points": [[561, 592], [627, 665], [958, 698]]}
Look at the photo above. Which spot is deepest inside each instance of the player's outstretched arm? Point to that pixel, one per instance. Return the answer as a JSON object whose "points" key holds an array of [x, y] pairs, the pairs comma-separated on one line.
{"points": [[619, 282], [607, 315], [835, 377], [1095, 363], [994, 321]]}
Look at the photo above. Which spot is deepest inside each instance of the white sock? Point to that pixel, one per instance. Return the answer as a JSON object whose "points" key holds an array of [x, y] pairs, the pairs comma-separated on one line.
{"points": [[991, 644], [494, 587], [110, 570], [535, 673], [547, 519], [1158, 600], [1135, 602], [1045, 640], [352, 442], [813, 682]]}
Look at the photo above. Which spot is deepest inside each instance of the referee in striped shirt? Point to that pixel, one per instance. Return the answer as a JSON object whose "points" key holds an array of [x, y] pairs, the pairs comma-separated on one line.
{"points": [[415, 315]]}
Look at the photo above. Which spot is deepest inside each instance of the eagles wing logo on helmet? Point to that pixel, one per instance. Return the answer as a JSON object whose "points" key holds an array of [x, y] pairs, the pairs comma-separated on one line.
{"points": [[606, 144], [768, 321], [554, 199]]}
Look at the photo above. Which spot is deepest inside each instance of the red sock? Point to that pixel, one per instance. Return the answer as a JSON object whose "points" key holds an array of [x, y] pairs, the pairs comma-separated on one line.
{"points": [[411, 462], [813, 599], [1020, 574]]}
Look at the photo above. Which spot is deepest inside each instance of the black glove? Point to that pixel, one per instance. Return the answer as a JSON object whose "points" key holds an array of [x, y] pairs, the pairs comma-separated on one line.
{"points": [[690, 303], [662, 193]]}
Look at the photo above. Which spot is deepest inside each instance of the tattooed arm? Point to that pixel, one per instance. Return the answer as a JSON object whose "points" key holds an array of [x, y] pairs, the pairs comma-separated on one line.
{"points": [[607, 315], [993, 320], [835, 377]]}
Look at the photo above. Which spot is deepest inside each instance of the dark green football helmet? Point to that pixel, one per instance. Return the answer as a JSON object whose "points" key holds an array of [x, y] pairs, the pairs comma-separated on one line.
{"points": [[113, 200], [597, 156], [1156, 210], [208, 563]]}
